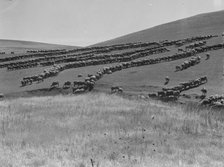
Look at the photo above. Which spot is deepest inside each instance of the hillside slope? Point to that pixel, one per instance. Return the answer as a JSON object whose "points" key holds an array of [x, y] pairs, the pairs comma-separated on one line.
{"points": [[209, 23], [140, 79], [4, 43]]}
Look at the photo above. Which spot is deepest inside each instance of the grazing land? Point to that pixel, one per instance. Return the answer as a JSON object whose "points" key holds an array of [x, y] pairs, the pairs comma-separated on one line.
{"points": [[108, 130], [139, 79], [104, 105]]}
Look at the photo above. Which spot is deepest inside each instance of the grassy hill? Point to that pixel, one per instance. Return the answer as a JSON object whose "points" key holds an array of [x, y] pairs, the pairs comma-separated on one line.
{"points": [[143, 79], [99, 129], [209, 23], [21, 45]]}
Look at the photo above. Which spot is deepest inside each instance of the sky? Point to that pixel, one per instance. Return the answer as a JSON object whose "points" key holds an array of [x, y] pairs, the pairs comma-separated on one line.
{"points": [[86, 22]]}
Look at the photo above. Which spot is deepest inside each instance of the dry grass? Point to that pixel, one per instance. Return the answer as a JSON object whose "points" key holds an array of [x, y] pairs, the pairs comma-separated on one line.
{"points": [[106, 130]]}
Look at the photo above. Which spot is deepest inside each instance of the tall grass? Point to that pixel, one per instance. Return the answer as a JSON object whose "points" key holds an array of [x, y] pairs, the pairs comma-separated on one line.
{"points": [[100, 130]]}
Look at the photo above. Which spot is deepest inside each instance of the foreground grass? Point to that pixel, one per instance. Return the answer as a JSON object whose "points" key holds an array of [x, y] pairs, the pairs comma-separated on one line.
{"points": [[101, 130]]}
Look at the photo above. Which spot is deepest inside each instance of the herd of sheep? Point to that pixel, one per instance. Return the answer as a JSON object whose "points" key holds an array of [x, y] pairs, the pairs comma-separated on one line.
{"points": [[214, 100], [51, 57], [128, 61], [174, 92], [55, 69], [196, 44], [71, 59], [188, 63], [88, 84], [61, 60]]}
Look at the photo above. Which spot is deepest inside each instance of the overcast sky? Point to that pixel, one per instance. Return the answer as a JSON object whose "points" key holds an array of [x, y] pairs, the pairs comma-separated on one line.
{"points": [[85, 22]]}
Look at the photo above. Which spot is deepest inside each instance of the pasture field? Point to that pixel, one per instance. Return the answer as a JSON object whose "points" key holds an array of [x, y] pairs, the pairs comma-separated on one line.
{"points": [[102, 130], [143, 79], [83, 123]]}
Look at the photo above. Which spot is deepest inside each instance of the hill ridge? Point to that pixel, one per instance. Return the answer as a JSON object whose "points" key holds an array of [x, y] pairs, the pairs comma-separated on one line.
{"points": [[6, 43], [182, 27]]}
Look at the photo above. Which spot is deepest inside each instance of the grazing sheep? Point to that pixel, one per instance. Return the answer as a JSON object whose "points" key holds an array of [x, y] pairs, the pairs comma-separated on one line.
{"points": [[180, 50], [80, 90], [67, 85], [89, 85], [1, 96], [167, 79], [215, 100], [204, 91], [174, 92], [120, 90], [186, 96], [152, 95], [178, 68], [115, 89], [126, 59], [54, 84], [40, 79], [207, 56], [78, 83]]}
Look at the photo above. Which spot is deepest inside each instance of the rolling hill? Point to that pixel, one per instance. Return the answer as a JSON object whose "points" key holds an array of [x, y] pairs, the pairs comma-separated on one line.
{"points": [[129, 128], [209, 23], [16, 44], [142, 79]]}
